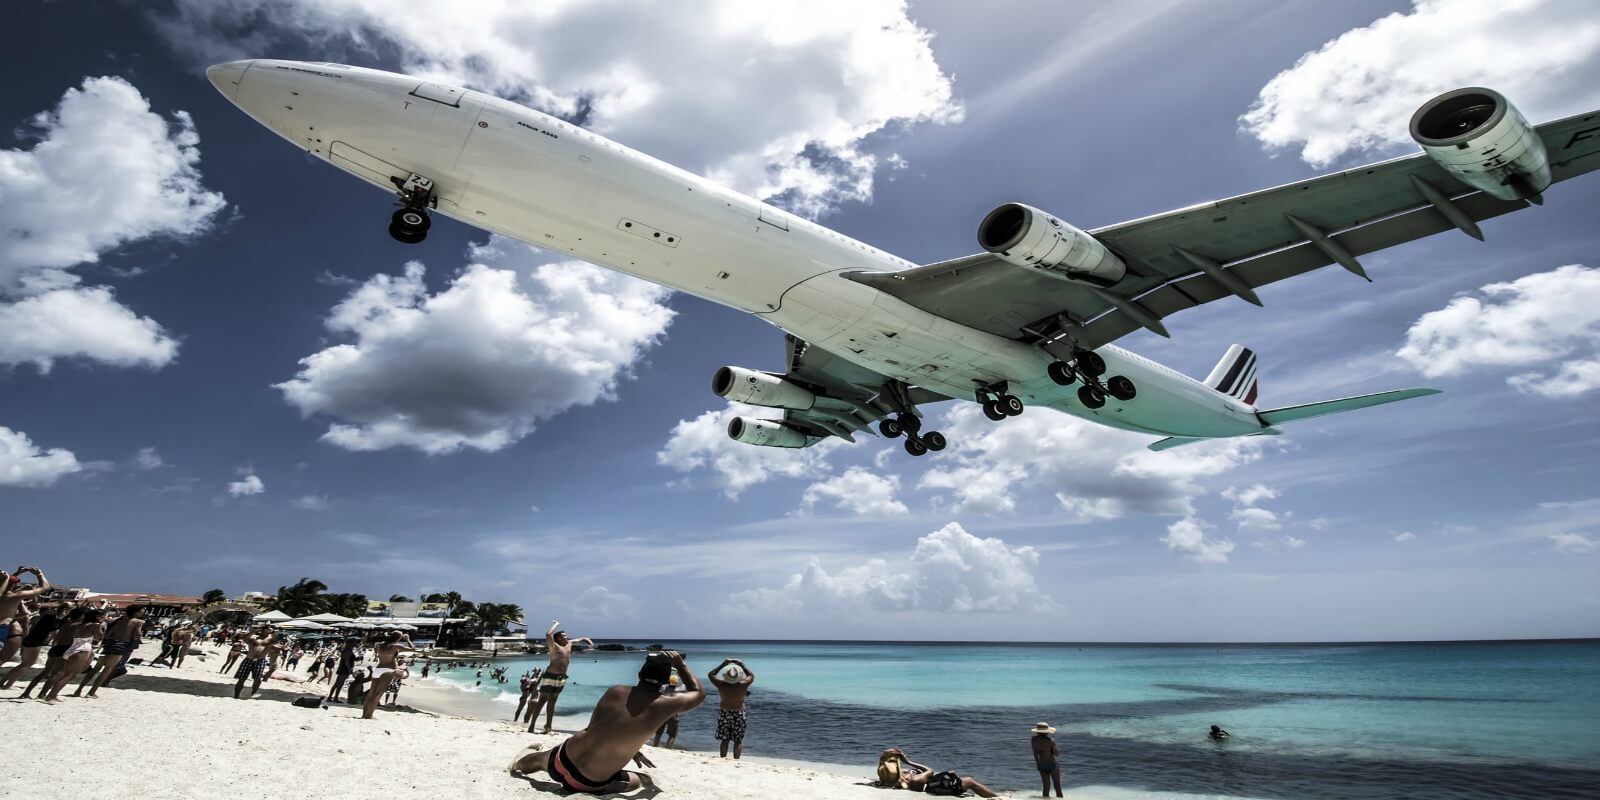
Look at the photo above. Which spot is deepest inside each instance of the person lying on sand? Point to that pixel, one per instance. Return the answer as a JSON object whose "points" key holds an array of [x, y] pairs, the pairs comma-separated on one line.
{"points": [[621, 722], [897, 770]]}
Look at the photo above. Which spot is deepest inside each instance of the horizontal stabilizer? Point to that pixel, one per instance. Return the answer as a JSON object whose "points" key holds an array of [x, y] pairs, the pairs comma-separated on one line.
{"points": [[1278, 416]]}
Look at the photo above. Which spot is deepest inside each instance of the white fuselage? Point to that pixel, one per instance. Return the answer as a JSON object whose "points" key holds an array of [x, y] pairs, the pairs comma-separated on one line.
{"points": [[520, 173]]}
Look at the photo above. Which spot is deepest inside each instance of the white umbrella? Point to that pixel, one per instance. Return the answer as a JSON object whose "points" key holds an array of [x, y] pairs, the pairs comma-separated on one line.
{"points": [[350, 624], [326, 618], [406, 627], [271, 616], [304, 625]]}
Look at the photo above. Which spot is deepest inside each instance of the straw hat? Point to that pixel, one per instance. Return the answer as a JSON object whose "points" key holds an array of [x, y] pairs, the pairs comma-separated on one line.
{"points": [[1043, 727]]}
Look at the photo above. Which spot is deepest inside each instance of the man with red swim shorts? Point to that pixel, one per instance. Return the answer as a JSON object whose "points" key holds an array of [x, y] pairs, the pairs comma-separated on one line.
{"points": [[592, 760]]}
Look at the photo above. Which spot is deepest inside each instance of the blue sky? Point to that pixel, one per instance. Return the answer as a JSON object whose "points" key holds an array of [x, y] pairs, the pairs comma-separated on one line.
{"points": [[169, 264]]}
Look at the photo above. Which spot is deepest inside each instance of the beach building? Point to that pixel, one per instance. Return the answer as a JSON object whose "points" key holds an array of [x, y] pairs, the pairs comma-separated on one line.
{"points": [[253, 599]]}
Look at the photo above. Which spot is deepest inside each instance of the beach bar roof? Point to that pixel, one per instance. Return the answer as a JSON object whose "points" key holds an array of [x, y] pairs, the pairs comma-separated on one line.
{"points": [[326, 619]]}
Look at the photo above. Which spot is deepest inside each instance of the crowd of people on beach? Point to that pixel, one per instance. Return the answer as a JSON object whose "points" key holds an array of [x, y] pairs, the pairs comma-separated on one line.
{"points": [[92, 641]]}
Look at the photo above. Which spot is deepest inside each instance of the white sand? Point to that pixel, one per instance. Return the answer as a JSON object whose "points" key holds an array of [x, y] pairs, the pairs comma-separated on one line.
{"points": [[180, 734]]}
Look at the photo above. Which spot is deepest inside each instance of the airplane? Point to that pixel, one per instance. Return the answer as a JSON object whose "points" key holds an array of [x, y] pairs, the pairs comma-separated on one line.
{"points": [[872, 337]]}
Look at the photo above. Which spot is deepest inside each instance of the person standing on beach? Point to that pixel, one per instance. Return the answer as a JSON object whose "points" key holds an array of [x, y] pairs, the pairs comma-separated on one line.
{"points": [[732, 679], [527, 691], [121, 639], [670, 727], [1047, 756], [618, 727], [347, 664], [234, 651], [12, 595], [555, 676], [387, 653], [254, 664], [55, 656]]}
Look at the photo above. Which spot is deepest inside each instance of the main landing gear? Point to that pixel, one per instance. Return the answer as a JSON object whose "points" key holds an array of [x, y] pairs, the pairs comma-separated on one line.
{"points": [[910, 426], [410, 223], [997, 404], [1088, 366]]}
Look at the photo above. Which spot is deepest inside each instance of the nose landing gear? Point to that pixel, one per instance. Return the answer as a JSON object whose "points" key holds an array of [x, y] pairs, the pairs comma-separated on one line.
{"points": [[410, 223], [1088, 366]]}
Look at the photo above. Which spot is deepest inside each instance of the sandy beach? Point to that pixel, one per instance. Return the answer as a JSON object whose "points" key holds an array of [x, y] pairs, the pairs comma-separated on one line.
{"points": [[180, 733]]}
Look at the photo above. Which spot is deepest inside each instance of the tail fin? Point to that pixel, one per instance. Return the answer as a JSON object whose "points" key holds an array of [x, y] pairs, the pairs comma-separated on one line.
{"points": [[1278, 416], [1235, 374]]}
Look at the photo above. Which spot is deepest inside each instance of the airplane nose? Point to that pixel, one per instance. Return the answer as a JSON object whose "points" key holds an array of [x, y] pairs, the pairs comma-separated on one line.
{"points": [[226, 77]]}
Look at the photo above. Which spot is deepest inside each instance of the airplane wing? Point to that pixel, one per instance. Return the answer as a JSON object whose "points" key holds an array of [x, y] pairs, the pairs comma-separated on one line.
{"points": [[1172, 257], [849, 397]]}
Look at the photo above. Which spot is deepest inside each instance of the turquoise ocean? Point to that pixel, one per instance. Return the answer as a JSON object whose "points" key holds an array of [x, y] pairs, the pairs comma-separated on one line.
{"points": [[1427, 720]]}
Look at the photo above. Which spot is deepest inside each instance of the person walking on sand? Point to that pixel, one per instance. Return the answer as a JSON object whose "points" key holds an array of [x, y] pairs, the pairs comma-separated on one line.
{"points": [[382, 674], [732, 679], [621, 722], [254, 663], [82, 637], [121, 639], [670, 727], [234, 651], [347, 664], [554, 678], [40, 628], [56, 654], [1046, 756], [12, 595], [527, 691]]}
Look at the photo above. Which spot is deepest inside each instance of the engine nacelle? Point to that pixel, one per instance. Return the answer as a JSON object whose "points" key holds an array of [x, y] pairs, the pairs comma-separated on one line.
{"points": [[760, 389], [766, 433], [1479, 137], [1028, 237]]}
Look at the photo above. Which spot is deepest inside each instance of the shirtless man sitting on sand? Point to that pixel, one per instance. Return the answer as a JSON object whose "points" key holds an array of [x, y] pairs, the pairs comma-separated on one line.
{"points": [[555, 675], [387, 652], [624, 718]]}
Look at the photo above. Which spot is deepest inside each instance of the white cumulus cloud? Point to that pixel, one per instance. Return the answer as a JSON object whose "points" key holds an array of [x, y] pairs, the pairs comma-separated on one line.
{"points": [[1548, 319], [1358, 91], [104, 170], [248, 485], [480, 362], [22, 463], [772, 99], [1250, 495], [1573, 543], [598, 602], [1259, 519], [702, 443], [1405, 536], [950, 570], [1188, 536], [1095, 472], [857, 491], [312, 502], [148, 458]]}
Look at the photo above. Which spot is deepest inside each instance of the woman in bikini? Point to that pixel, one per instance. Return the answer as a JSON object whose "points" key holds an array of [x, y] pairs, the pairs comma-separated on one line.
{"points": [[82, 636], [55, 654], [397, 642], [39, 629]]}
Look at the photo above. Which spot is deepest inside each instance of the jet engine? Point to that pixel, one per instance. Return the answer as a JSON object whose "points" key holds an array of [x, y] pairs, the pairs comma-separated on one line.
{"points": [[1479, 137], [766, 433], [1028, 237], [761, 389]]}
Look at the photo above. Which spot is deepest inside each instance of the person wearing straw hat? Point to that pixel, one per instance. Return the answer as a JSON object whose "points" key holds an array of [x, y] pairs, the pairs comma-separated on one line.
{"points": [[1046, 756]]}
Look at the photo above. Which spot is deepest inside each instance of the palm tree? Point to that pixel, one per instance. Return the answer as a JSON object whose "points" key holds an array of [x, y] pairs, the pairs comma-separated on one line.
{"points": [[213, 596], [399, 598], [433, 598], [302, 599], [492, 618], [347, 605]]}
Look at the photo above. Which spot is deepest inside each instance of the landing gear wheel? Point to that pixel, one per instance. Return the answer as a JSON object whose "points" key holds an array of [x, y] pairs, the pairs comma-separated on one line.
{"points": [[1121, 388], [890, 429], [1091, 364], [934, 440], [1091, 396], [993, 412], [1062, 373], [916, 447], [1010, 405], [910, 423], [413, 220], [403, 236]]}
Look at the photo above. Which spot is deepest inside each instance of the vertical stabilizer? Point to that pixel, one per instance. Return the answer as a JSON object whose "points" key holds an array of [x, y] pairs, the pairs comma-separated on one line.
{"points": [[1235, 374]]}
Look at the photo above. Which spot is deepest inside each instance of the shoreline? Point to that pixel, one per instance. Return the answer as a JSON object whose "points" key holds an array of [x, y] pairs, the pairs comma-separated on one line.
{"points": [[188, 733]]}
